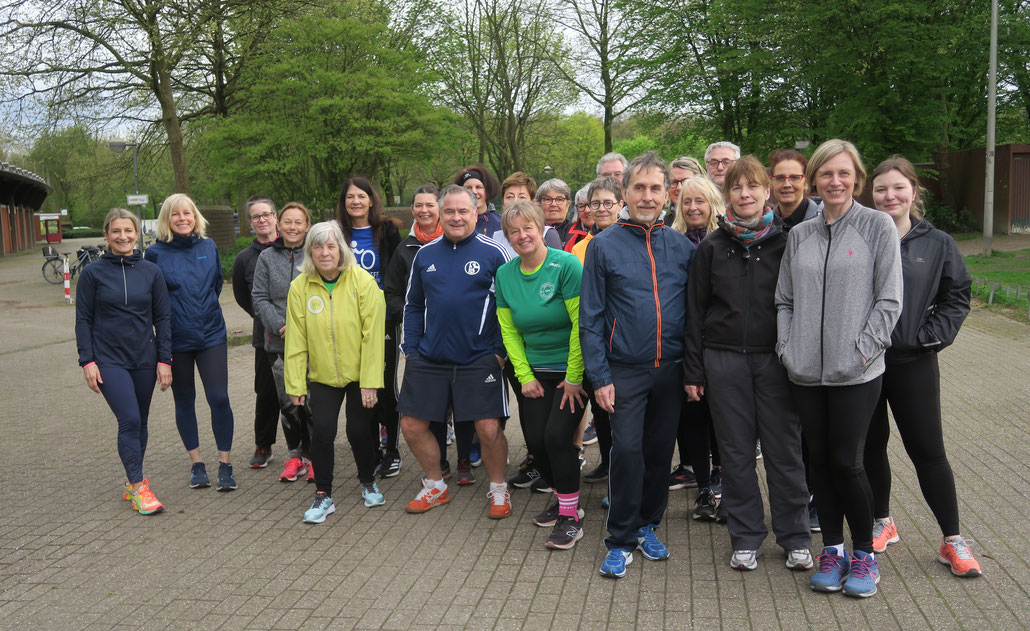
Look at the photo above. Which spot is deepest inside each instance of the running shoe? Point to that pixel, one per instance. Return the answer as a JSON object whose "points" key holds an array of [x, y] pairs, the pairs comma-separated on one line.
{"points": [[476, 454], [744, 560], [390, 467], [599, 474], [525, 479], [382, 436], [863, 576], [704, 506], [320, 508], [549, 517], [127, 492], [813, 517], [427, 498], [465, 474], [198, 476], [500, 503], [445, 469], [955, 553], [649, 544], [716, 482], [226, 480], [800, 559], [758, 450], [567, 531], [293, 469], [310, 477], [262, 456], [833, 569], [682, 478], [370, 493], [540, 485], [450, 434], [582, 458], [143, 500], [590, 434], [606, 502], [885, 532], [614, 565], [720, 513]]}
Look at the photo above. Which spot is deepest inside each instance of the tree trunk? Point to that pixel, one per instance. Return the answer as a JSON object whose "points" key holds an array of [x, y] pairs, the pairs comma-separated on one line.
{"points": [[170, 120]]}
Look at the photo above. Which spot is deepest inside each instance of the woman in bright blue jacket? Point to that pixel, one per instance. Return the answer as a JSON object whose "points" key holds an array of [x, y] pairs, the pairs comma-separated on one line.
{"points": [[193, 273], [123, 334]]}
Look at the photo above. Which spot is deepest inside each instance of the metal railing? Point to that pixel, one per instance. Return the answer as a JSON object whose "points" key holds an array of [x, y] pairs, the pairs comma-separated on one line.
{"points": [[995, 288]]}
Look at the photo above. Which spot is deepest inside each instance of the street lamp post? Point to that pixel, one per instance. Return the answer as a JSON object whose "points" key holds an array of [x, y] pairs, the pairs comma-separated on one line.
{"points": [[119, 146]]}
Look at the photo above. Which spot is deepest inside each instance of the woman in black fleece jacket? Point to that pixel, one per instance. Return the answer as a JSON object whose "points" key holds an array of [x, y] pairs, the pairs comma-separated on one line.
{"points": [[124, 336], [934, 304]]}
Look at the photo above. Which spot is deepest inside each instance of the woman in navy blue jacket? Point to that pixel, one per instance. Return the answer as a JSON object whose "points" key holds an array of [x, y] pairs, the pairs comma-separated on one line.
{"points": [[193, 272], [123, 334]]}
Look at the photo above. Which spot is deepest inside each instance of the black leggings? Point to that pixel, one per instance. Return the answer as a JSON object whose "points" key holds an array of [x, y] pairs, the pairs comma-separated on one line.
{"points": [[550, 432], [362, 433], [913, 389], [385, 410], [696, 440], [213, 366], [836, 422]]}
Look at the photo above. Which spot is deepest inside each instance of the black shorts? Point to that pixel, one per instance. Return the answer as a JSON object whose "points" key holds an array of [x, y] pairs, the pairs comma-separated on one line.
{"points": [[474, 391]]}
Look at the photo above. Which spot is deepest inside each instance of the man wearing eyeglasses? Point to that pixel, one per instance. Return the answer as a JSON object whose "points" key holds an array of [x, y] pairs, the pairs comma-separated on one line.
{"points": [[261, 216], [718, 158]]}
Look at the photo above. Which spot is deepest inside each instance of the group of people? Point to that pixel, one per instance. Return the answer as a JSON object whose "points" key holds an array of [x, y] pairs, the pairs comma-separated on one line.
{"points": [[721, 304]]}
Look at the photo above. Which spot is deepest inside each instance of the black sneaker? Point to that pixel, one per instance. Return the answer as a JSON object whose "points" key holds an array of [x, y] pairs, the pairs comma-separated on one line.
{"points": [[720, 514], [716, 482], [226, 480], [704, 506], [262, 456], [813, 517], [540, 485], [198, 476], [390, 467], [550, 516], [445, 469], [567, 531], [682, 478], [599, 474], [525, 478]]}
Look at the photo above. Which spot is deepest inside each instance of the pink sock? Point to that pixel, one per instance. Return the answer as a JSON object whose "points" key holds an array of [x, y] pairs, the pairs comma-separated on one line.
{"points": [[568, 503]]}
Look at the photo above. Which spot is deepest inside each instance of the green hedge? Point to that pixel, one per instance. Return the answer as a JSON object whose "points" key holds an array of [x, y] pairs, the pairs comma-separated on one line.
{"points": [[82, 234], [228, 256]]}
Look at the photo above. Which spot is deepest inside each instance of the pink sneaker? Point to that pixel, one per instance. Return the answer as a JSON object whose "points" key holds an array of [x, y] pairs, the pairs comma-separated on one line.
{"points": [[293, 468]]}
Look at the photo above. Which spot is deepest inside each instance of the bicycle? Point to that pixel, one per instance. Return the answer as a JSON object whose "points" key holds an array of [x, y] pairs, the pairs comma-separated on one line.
{"points": [[53, 267]]}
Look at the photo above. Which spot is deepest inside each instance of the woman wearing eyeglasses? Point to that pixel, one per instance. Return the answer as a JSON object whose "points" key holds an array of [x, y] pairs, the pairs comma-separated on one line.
{"points": [[555, 197], [582, 220], [788, 187]]}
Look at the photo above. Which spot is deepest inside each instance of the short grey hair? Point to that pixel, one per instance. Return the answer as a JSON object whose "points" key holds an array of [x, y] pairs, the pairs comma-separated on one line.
{"points": [[722, 144], [260, 199], [320, 234], [606, 183], [556, 185], [581, 194], [612, 157], [454, 189], [643, 162]]}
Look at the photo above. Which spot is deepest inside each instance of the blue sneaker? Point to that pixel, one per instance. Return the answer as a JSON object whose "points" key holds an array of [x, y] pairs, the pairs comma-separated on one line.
{"points": [[864, 575], [372, 496], [226, 480], [476, 454], [590, 434], [649, 545], [606, 503], [198, 476], [614, 565], [322, 506], [833, 569]]}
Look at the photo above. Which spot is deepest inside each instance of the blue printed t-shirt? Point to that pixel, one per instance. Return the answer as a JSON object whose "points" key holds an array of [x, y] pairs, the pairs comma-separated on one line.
{"points": [[366, 253]]}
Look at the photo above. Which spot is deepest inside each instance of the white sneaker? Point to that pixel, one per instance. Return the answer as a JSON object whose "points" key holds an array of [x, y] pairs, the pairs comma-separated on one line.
{"points": [[744, 560], [800, 560]]}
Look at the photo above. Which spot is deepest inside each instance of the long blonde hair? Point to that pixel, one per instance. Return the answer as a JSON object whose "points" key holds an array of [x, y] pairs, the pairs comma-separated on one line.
{"points": [[164, 218], [707, 189]]}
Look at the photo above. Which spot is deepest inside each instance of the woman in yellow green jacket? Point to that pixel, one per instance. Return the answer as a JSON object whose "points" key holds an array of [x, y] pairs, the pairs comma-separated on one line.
{"points": [[335, 317]]}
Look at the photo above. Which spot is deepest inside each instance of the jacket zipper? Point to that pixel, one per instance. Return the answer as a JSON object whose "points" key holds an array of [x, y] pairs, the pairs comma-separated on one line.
{"points": [[332, 336], [657, 301], [822, 314], [748, 293], [125, 283]]}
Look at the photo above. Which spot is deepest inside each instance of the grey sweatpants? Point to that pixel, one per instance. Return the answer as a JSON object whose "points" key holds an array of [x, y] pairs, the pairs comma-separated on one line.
{"points": [[750, 398]]}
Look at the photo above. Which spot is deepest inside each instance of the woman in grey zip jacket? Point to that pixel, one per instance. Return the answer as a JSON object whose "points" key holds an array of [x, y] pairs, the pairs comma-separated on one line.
{"points": [[936, 302], [276, 268], [838, 299]]}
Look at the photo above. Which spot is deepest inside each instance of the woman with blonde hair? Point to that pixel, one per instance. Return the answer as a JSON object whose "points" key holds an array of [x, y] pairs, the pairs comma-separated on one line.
{"points": [[123, 334], [193, 273], [335, 324], [838, 298], [936, 302]]}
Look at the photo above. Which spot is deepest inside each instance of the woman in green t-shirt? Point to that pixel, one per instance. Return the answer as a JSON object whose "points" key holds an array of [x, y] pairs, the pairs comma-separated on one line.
{"points": [[538, 310]]}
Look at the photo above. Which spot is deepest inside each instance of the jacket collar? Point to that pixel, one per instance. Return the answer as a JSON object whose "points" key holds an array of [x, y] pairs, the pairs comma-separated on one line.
{"points": [[625, 220], [183, 242], [279, 244]]}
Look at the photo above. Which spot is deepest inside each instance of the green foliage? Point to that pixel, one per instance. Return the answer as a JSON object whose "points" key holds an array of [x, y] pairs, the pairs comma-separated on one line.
{"points": [[229, 256], [570, 146], [1010, 268], [949, 219]]}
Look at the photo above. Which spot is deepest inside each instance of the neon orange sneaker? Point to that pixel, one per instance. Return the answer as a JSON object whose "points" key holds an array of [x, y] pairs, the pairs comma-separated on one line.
{"points": [[144, 502], [500, 503], [884, 534], [427, 498], [955, 552], [127, 494]]}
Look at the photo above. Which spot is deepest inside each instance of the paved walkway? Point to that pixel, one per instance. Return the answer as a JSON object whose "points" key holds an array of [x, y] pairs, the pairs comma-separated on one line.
{"points": [[73, 556]]}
